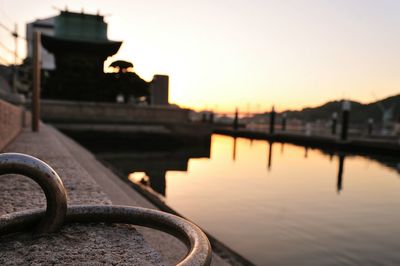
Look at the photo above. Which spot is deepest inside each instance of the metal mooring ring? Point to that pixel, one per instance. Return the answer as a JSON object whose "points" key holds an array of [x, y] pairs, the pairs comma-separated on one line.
{"points": [[192, 236], [56, 213], [48, 180]]}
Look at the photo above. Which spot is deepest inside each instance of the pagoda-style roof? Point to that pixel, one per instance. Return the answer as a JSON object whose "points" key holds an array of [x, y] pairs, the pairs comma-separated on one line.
{"points": [[61, 45]]}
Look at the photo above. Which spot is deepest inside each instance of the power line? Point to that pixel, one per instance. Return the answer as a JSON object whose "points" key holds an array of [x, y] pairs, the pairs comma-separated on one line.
{"points": [[13, 33], [6, 28], [7, 49], [10, 51], [16, 36], [4, 60]]}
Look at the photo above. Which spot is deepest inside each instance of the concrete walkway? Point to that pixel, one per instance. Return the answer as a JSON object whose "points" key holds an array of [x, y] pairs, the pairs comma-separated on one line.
{"points": [[87, 182]]}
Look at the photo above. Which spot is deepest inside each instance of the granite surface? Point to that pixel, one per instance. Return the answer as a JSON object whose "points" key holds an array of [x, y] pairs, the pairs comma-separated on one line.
{"points": [[87, 181]]}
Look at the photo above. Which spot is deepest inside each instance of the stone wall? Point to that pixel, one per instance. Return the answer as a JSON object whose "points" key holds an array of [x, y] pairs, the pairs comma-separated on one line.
{"points": [[11, 122], [110, 113]]}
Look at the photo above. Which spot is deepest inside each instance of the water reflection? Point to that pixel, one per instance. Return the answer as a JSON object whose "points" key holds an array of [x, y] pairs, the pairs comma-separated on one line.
{"points": [[295, 213], [306, 152], [340, 173], [157, 180], [234, 149], [155, 165], [340, 157], [269, 155]]}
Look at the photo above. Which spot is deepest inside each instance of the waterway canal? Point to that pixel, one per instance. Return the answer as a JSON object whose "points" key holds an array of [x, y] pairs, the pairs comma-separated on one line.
{"points": [[281, 204]]}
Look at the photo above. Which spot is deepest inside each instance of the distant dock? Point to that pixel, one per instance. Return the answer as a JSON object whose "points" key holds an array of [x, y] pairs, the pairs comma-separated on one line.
{"points": [[356, 145]]}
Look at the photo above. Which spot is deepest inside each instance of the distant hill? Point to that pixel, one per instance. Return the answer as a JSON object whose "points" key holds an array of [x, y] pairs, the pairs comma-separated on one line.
{"points": [[359, 112]]}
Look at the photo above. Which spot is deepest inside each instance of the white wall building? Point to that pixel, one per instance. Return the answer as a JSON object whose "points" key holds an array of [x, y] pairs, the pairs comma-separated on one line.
{"points": [[45, 26]]}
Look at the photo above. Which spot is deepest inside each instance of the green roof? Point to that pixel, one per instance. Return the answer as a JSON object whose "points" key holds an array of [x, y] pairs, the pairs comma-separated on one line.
{"points": [[80, 27]]}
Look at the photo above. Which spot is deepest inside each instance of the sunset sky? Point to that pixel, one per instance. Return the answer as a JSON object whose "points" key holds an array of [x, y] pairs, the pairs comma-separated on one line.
{"points": [[225, 53]]}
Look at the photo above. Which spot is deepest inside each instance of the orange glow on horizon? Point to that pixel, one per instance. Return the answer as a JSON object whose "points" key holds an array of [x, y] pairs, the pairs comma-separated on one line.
{"points": [[223, 55]]}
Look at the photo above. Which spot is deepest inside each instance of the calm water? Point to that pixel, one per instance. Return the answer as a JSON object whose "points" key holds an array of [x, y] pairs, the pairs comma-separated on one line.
{"points": [[282, 204]]}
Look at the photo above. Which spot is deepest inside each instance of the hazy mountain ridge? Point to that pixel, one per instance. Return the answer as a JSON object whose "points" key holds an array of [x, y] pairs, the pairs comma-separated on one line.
{"points": [[360, 113]]}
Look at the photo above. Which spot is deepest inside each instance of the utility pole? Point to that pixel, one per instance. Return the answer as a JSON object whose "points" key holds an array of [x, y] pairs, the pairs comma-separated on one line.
{"points": [[272, 121], [236, 119], [346, 106], [15, 35], [36, 82]]}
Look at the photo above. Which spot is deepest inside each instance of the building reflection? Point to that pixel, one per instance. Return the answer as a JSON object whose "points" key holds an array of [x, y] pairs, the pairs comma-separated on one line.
{"points": [[157, 181], [155, 164]]}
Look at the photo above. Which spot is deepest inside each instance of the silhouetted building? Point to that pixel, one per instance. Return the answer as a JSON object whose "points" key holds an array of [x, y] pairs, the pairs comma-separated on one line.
{"points": [[159, 90], [80, 46]]}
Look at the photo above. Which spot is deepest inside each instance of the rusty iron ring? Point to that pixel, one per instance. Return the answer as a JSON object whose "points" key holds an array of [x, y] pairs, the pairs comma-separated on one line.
{"points": [[48, 180], [192, 236], [56, 214]]}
